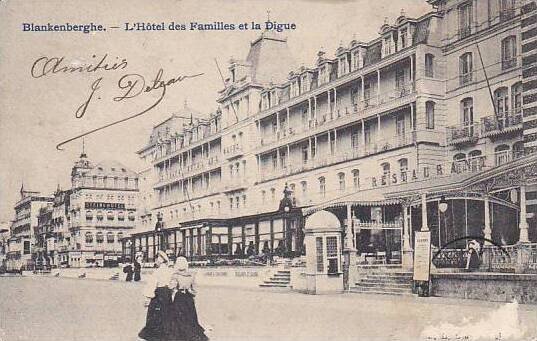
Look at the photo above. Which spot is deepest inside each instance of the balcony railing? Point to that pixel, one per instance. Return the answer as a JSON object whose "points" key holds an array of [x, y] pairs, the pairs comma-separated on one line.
{"points": [[509, 63], [507, 14], [362, 108], [348, 154], [464, 32], [467, 132], [465, 78], [505, 122], [233, 150], [177, 173]]}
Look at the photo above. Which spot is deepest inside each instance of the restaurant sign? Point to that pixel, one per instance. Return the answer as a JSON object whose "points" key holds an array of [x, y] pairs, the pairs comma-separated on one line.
{"points": [[422, 256]]}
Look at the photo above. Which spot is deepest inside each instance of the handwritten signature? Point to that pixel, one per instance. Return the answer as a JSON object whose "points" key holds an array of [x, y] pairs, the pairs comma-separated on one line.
{"points": [[129, 85]]}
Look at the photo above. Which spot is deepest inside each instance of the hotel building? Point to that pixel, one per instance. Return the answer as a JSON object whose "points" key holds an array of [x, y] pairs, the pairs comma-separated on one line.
{"points": [[379, 134]]}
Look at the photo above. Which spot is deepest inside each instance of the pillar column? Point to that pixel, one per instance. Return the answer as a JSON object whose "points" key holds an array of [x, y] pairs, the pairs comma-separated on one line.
{"points": [[329, 103], [487, 231], [523, 224], [335, 100], [407, 260], [424, 224], [378, 87]]}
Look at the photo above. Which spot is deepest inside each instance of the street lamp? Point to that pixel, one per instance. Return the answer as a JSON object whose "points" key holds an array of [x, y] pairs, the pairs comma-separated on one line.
{"points": [[442, 207], [159, 232], [285, 205]]}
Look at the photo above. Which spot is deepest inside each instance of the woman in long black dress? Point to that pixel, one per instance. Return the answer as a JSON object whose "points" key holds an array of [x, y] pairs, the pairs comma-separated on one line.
{"points": [[159, 296], [137, 268], [183, 323]]}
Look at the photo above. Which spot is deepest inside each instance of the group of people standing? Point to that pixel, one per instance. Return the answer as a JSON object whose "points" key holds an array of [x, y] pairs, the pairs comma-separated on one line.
{"points": [[171, 311], [134, 270]]}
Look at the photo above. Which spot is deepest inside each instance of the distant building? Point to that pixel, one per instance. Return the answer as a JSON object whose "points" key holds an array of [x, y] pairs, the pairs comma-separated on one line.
{"points": [[102, 210], [24, 229]]}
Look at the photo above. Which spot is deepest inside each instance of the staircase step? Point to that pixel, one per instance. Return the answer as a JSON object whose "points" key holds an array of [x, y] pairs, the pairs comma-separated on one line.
{"points": [[384, 285], [380, 292], [272, 285], [276, 282]]}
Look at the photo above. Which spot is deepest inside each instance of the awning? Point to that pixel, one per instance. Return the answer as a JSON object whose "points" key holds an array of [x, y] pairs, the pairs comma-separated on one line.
{"points": [[372, 197]]}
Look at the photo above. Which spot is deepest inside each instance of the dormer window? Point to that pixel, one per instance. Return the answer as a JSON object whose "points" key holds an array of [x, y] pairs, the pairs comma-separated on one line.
{"points": [[323, 74], [305, 83], [343, 66], [387, 46], [356, 60], [403, 38]]}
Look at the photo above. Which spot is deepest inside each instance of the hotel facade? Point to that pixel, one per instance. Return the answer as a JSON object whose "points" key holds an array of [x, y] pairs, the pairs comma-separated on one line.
{"points": [[433, 111]]}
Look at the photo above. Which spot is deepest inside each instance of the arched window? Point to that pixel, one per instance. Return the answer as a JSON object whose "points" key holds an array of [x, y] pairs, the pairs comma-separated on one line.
{"points": [[467, 117], [385, 167], [110, 237], [508, 52], [516, 98], [429, 113], [263, 196], [304, 186], [322, 186], [121, 215], [89, 237], [131, 216], [100, 237], [89, 215], [110, 215], [501, 154], [100, 215], [429, 65], [518, 149], [356, 178], [501, 101], [403, 165], [459, 162], [341, 180], [119, 236], [475, 160], [465, 68]]}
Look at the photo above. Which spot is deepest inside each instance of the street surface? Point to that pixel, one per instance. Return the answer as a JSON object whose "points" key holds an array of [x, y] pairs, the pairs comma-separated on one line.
{"points": [[47, 308]]}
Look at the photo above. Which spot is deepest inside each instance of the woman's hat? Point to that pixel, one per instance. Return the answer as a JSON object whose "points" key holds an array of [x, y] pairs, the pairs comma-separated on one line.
{"points": [[181, 264], [163, 255]]}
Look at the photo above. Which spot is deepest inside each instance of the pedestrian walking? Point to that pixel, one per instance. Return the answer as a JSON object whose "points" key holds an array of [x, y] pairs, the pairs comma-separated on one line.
{"points": [[158, 300], [137, 269], [128, 269], [184, 324], [473, 261]]}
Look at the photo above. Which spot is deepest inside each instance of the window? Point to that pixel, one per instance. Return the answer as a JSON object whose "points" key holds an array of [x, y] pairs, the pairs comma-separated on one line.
{"points": [[429, 114], [429, 65], [385, 167], [26, 247], [356, 178], [342, 66], [507, 9], [89, 237], [244, 201], [355, 140], [400, 79], [320, 253], [263, 196], [403, 37], [322, 186], [231, 203], [501, 101], [131, 216], [516, 98], [89, 215], [341, 179], [467, 112], [304, 186], [465, 68], [509, 52], [100, 215], [403, 165], [110, 215], [400, 125], [272, 194], [100, 237], [476, 161], [387, 46], [332, 255], [119, 236], [305, 154], [465, 20], [501, 154]]}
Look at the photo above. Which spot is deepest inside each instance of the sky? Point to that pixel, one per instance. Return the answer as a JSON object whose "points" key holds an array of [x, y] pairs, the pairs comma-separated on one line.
{"points": [[38, 113]]}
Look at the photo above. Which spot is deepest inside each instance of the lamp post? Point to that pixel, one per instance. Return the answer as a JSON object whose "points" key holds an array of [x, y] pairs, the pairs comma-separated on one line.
{"points": [[442, 207], [159, 232], [285, 206]]}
